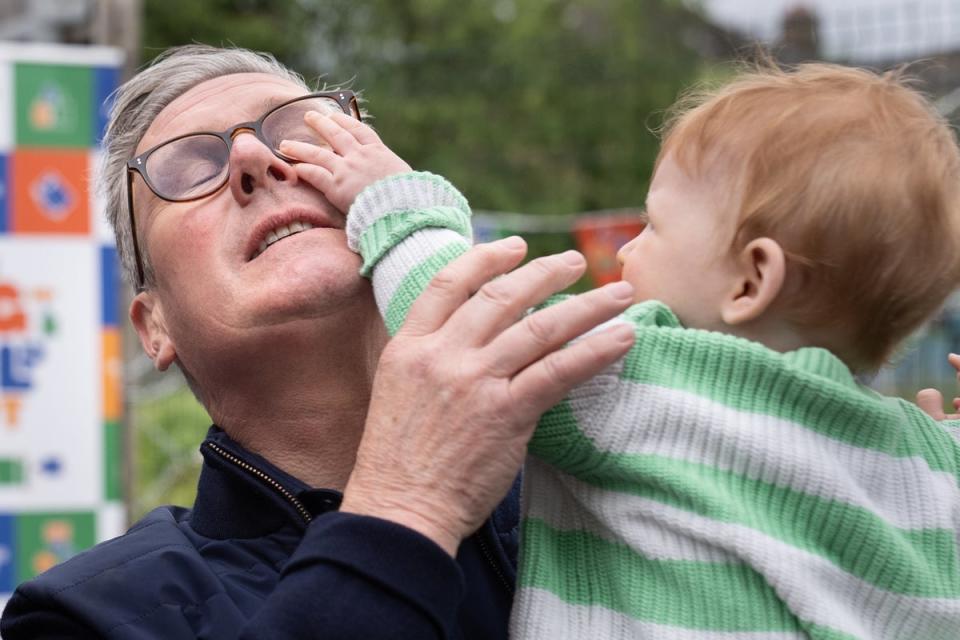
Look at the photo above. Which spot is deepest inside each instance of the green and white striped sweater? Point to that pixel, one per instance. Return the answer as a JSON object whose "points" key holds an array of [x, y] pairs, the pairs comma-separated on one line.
{"points": [[706, 487]]}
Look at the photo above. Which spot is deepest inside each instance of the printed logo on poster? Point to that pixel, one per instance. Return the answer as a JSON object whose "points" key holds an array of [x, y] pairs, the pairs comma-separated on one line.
{"points": [[52, 110], [46, 539], [54, 105], [27, 323], [49, 192]]}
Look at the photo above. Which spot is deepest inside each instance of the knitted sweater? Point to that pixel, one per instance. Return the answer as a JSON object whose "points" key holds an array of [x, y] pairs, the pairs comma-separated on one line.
{"points": [[705, 486]]}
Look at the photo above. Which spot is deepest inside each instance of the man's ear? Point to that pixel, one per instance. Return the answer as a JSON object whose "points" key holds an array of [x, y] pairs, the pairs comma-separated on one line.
{"points": [[761, 271], [146, 313]]}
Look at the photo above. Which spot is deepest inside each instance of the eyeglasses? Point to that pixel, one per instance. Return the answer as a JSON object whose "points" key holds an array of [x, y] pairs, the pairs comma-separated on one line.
{"points": [[196, 165]]}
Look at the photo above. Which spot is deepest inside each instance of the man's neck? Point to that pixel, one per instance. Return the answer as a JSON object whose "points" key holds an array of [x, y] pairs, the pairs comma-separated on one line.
{"points": [[301, 402]]}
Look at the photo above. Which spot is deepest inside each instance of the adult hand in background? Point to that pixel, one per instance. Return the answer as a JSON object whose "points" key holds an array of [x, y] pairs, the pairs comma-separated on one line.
{"points": [[459, 389], [931, 400]]}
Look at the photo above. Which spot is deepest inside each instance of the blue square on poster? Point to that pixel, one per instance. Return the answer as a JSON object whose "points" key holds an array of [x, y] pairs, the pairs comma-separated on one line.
{"points": [[110, 272], [7, 553], [4, 194], [105, 80]]}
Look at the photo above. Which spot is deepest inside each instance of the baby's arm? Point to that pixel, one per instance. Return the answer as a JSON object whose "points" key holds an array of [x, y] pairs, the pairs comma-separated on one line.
{"points": [[406, 224]]}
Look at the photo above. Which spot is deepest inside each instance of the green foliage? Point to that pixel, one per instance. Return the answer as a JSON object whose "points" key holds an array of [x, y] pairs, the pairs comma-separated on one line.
{"points": [[281, 27], [534, 106], [168, 433]]}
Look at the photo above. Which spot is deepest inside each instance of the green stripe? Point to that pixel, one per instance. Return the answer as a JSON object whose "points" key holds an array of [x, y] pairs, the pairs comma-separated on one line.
{"points": [[686, 594], [809, 387], [112, 457], [387, 231], [920, 562], [11, 471], [416, 281]]}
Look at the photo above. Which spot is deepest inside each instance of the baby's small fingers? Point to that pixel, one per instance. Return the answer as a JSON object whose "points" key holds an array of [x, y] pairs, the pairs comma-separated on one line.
{"points": [[306, 152], [332, 130], [315, 175], [362, 132]]}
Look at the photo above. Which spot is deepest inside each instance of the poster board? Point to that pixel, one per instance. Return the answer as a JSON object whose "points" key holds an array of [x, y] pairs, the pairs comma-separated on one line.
{"points": [[60, 355]]}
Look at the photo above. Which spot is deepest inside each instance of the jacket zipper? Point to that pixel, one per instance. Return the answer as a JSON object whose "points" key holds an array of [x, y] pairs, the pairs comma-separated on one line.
{"points": [[260, 475], [493, 563]]}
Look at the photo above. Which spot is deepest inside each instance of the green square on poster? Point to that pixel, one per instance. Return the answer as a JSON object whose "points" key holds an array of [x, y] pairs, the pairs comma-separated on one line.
{"points": [[54, 105], [47, 539]]}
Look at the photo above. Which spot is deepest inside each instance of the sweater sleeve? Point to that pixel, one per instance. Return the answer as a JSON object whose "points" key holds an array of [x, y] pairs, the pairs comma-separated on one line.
{"points": [[406, 228]]}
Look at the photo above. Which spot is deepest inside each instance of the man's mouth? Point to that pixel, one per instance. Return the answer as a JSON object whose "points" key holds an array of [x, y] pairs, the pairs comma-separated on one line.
{"points": [[279, 233]]}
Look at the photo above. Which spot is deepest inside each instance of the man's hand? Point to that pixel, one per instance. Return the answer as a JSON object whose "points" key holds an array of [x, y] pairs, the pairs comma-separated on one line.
{"points": [[931, 400], [355, 159], [459, 389]]}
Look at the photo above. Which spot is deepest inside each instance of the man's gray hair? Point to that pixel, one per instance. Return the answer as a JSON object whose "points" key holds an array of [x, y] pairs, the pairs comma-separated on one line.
{"points": [[138, 101]]}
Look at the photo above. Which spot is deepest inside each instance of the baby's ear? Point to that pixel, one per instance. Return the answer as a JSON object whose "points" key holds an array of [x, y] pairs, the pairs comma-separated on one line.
{"points": [[761, 269]]}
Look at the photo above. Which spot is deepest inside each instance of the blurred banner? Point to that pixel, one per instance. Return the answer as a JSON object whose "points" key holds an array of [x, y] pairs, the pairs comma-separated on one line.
{"points": [[599, 237], [60, 389]]}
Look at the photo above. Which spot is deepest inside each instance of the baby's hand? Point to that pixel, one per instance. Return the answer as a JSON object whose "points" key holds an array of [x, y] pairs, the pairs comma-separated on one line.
{"points": [[931, 400], [355, 159]]}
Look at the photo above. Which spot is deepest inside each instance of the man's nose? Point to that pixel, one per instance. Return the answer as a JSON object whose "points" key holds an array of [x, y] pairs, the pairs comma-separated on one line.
{"points": [[254, 166]]}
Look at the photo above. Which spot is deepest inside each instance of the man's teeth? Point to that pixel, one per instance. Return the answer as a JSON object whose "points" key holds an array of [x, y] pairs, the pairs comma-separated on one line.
{"points": [[282, 232]]}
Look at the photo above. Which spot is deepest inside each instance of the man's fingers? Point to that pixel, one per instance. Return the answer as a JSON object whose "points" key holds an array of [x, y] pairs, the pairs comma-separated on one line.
{"points": [[549, 329], [544, 383], [500, 303], [459, 280], [930, 402], [362, 132], [341, 140]]}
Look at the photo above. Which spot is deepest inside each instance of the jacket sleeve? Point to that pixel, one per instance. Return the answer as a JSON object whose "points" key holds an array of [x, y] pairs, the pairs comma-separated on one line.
{"points": [[407, 228], [360, 577], [350, 577], [26, 619]]}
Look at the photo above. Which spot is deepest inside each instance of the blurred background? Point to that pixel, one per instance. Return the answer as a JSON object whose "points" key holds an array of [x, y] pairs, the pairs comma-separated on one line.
{"points": [[543, 112]]}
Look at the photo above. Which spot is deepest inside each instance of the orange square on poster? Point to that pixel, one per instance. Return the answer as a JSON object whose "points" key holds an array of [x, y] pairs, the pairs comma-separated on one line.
{"points": [[49, 191]]}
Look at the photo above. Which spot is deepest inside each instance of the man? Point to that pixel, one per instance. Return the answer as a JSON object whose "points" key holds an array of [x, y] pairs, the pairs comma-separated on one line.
{"points": [[331, 504]]}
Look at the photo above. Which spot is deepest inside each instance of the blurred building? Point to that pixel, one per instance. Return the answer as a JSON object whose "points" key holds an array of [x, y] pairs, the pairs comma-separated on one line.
{"points": [[103, 22]]}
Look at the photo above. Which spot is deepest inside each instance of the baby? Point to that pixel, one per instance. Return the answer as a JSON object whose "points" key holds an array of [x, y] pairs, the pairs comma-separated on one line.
{"points": [[730, 478]]}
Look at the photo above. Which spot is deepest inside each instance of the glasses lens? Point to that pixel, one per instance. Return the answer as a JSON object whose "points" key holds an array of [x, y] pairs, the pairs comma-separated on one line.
{"points": [[286, 123], [188, 168]]}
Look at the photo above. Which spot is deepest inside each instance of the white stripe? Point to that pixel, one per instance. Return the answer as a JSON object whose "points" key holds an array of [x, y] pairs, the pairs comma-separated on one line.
{"points": [[953, 430], [404, 257], [567, 504], [812, 588], [550, 617], [681, 425]]}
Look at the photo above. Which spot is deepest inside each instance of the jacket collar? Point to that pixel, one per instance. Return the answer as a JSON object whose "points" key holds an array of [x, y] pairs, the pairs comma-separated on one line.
{"points": [[243, 495]]}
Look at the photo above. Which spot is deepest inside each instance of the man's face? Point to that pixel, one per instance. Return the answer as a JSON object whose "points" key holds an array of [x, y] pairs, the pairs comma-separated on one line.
{"points": [[210, 278], [683, 257]]}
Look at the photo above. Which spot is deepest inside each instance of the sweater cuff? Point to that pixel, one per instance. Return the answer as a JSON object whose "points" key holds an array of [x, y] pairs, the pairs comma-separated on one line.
{"points": [[391, 209], [399, 560]]}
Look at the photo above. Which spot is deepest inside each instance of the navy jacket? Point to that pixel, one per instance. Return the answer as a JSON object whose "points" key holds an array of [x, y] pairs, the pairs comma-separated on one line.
{"points": [[260, 556]]}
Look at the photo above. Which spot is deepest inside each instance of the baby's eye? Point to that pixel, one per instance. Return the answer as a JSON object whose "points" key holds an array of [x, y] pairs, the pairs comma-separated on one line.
{"points": [[644, 217]]}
